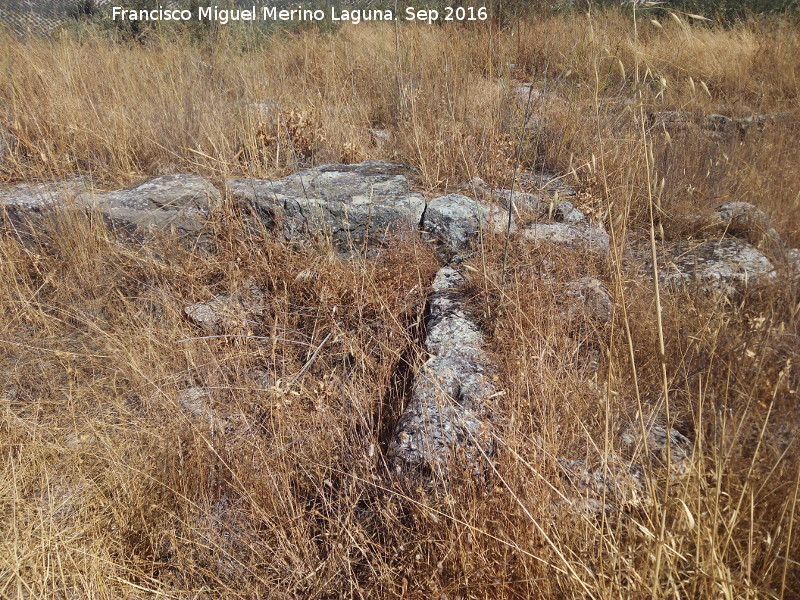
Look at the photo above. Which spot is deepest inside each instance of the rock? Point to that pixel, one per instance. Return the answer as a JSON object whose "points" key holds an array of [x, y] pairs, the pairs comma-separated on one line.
{"points": [[587, 297], [447, 422], [549, 182], [727, 126], [476, 188], [32, 199], [567, 213], [614, 484], [444, 426], [565, 234], [742, 219], [719, 126], [564, 212], [457, 220], [222, 313], [380, 137], [680, 447], [723, 266], [450, 331], [522, 91], [522, 200], [194, 401], [344, 203], [170, 204], [671, 120], [793, 262]]}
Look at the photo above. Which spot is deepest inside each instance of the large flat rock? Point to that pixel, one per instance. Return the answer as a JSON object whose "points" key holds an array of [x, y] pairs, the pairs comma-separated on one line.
{"points": [[346, 204], [724, 266], [173, 204]]}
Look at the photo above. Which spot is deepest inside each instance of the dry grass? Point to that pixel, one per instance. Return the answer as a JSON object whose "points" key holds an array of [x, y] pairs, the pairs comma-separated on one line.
{"points": [[276, 486]]}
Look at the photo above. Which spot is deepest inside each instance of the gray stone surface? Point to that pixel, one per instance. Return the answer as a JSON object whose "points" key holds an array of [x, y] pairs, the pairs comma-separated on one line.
{"points": [[343, 203], [567, 213], [724, 266], [793, 262], [605, 486], [615, 483], [446, 425], [522, 200], [29, 199], [744, 220], [450, 331], [457, 220], [657, 441], [549, 182], [170, 204], [173, 203], [719, 126], [587, 297], [225, 313], [565, 234]]}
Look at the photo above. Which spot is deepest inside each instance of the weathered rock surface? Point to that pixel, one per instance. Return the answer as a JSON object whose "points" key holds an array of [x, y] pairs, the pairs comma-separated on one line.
{"points": [[567, 213], [31, 199], [549, 182], [565, 234], [587, 297], [451, 333], [793, 262], [717, 125], [657, 442], [224, 313], [347, 204], [522, 200], [725, 266], [170, 204], [457, 220], [742, 219], [195, 402], [446, 424], [616, 483], [607, 486]]}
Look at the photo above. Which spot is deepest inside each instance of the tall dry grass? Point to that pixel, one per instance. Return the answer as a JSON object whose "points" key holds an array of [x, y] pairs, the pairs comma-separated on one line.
{"points": [[273, 484]]}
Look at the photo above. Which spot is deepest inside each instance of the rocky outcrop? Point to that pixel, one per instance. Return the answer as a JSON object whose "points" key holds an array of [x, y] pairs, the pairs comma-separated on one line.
{"points": [[175, 204], [225, 313], [743, 220], [663, 446], [615, 483], [721, 266], [587, 298], [457, 220], [605, 485], [716, 125], [172, 203], [564, 234], [346, 204], [33, 199], [446, 425]]}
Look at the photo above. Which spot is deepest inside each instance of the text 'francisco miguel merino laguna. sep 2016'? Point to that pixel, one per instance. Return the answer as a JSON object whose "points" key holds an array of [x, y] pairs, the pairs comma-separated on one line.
{"points": [[354, 16]]}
